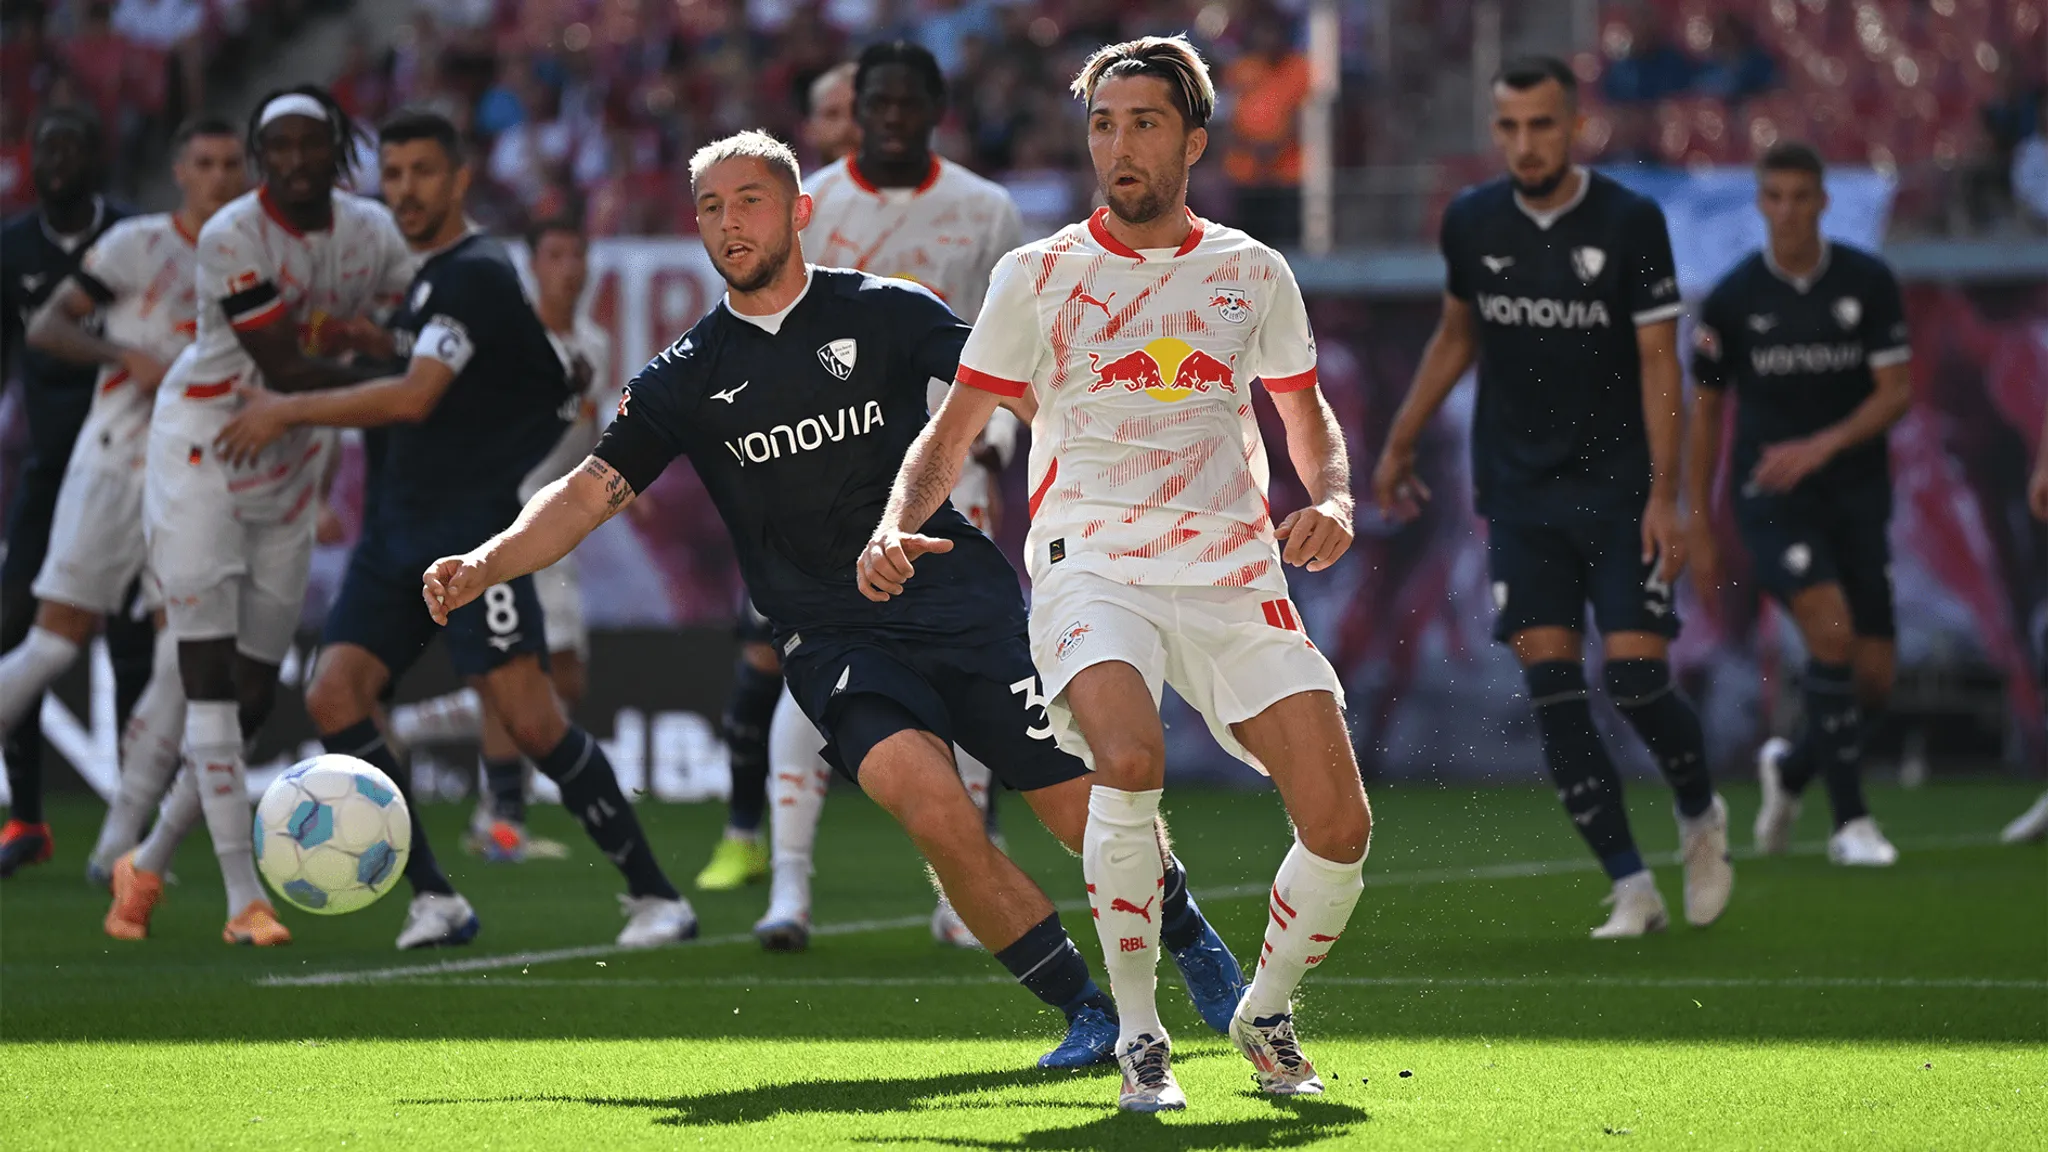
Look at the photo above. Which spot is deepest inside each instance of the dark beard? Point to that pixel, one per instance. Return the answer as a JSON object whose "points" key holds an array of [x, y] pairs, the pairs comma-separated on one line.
{"points": [[1543, 187], [1150, 206], [770, 269]]}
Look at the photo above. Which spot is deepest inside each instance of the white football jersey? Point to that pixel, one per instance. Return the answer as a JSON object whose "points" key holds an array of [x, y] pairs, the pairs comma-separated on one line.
{"points": [[1146, 461], [593, 346], [141, 274]]}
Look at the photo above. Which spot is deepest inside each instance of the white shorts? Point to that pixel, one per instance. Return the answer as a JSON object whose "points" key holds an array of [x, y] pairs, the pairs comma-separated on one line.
{"points": [[96, 549], [1231, 653], [561, 607]]}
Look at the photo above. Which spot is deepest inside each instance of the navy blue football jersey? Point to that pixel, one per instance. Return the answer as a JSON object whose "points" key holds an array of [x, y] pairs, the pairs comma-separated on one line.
{"points": [[798, 434], [508, 405], [57, 393], [1799, 353], [1557, 298]]}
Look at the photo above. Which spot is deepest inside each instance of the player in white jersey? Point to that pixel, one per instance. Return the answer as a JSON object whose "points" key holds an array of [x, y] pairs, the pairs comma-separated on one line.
{"points": [[139, 278], [894, 208], [288, 277], [1153, 554]]}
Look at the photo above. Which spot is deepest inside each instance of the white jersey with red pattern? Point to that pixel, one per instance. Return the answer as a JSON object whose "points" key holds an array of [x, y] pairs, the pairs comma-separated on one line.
{"points": [[1146, 461], [256, 269], [141, 274], [945, 234]]}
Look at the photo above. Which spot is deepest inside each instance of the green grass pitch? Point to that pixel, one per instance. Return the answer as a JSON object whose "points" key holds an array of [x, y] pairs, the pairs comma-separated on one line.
{"points": [[1465, 1007]]}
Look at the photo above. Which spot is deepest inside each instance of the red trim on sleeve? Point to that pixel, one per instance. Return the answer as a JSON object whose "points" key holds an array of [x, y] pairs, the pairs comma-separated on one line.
{"points": [[259, 319], [1044, 486], [214, 390], [988, 383], [1293, 383]]}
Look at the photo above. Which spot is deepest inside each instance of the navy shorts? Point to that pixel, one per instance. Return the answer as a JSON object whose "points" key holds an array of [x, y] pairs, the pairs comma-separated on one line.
{"points": [[380, 608], [984, 699], [1544, 576], [1808, 538]]}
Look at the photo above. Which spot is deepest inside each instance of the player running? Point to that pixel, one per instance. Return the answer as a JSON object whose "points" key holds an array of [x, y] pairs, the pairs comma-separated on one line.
{"points": [[287, 276], [480, 404], [1561, 286], [894, 209], [139, 279], [795, 399], [1153, 557], [1811, 335], [39, 250]]}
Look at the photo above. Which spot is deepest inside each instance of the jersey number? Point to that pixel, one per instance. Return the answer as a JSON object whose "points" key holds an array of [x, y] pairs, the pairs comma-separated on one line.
{"points": [[501, 610], [1033, 698]]}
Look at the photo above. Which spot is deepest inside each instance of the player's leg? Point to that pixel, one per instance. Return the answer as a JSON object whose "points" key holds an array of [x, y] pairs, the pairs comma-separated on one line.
{"points": [[130, 632], [49, 650], [947, 927], [138, 876], [740, 858], [497, 831], [449, 718], [149, 756], [798, 778], [25, 838]]}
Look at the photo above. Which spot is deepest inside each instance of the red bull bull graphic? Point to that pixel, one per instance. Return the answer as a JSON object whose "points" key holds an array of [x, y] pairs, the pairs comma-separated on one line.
{"points": [[1167, 370]]}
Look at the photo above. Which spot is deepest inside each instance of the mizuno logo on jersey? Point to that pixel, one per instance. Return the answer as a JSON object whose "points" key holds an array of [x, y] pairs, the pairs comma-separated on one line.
{"points": [[806, 435], [731, 394], [1793, 359], [1522, 311]]}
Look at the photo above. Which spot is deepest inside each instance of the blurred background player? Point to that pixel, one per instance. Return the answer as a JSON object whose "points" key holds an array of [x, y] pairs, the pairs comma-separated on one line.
{"points": [[1811, 335], [39, 250], [288, 276], [895, 208], [138, 280], [829, 125], [2032, 824], [1562, 287], [485, 396]]}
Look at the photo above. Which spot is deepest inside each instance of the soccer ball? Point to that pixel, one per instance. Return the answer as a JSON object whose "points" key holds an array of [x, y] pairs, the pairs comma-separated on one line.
{"points": [[332, 835]]}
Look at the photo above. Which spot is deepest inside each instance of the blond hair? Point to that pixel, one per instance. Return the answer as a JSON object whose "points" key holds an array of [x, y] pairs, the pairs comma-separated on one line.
{"points": [[1169, 58], [753, 144]]}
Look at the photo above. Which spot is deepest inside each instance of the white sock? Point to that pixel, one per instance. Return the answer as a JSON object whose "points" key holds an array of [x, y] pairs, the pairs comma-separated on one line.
{"points": [[213, 753], [797, 779], [179, 815], [149, 753], [449, 719], [1120, 860], [29, 670], [1306, 911], [977, 777]]}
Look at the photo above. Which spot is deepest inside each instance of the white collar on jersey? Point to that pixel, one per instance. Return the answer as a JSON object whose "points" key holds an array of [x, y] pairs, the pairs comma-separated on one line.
{"points": [[1800, 284], [72, 242], [772, 323], [1545, 217]]}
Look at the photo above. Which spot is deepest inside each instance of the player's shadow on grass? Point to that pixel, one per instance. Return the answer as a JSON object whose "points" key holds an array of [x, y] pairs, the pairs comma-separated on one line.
{"points": [[1292, 1122]]}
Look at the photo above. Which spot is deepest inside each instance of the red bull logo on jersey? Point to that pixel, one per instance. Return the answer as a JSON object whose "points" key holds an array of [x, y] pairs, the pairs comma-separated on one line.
{"points": [[1167, 370]]}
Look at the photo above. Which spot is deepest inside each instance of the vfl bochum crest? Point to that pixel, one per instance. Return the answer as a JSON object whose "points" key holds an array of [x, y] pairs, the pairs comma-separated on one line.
{"points": [[838, 357], [1588, 262], [1848, 310]]}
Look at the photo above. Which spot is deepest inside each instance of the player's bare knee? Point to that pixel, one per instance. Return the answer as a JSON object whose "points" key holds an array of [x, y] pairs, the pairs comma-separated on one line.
{"points": [[207, 668], [537, 732], [570, 678], [256, 701], [1129, 763], [1338, 831], [335, 699]]}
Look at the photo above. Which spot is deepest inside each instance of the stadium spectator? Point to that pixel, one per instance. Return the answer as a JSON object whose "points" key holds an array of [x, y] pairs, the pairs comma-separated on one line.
{"points": [[1266, 87], [166, 34], [1738, 67], [1643, 65], [2030, 168]]}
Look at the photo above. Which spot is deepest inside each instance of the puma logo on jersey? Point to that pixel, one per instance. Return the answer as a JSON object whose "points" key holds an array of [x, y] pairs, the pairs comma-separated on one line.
{"points": [[730, 393], [806, 435], [1085, 298], [1497, 264]]}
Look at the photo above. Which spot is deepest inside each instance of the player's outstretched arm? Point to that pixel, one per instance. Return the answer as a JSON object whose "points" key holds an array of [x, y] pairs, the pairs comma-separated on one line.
{"points": [[929, 471], [550, 527], [264, 416], [1664, 421], [1451, 349], [57, 329], [1317, 535]]}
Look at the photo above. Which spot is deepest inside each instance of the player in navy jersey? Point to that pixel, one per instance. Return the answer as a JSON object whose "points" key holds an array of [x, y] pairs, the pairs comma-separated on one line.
{"points": [[480, 404], [796, 399], [1811, 336], [1561, 286]]}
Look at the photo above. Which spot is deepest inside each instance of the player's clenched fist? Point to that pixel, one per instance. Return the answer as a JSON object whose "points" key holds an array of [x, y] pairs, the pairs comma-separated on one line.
{"points": [[1316, 536], [886, 562], [453, 581]]}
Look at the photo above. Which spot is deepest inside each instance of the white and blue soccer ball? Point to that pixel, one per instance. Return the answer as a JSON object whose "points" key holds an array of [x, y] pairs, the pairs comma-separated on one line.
{"points": [[332, 835]]}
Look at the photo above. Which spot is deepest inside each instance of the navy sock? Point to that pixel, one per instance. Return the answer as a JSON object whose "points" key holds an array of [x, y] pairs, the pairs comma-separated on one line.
{"points": [[748, 715], [590, 791], [1833, 744], [1180, 922], [363, 741], [1586, 780], [1643, 690], [1045, 961], [506, 780]]}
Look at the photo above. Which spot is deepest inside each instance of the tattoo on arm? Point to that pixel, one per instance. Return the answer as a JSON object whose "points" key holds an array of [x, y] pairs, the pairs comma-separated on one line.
{"points": [[617, 493]]}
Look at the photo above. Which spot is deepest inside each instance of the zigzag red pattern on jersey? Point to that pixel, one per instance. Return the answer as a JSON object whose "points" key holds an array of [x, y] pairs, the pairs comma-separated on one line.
{"points": [[1130, 311], [1173, 538], [1067, 321], [1243, 577], [1197, 459], [1188, 323], [1145, 427], [1138, 464]]}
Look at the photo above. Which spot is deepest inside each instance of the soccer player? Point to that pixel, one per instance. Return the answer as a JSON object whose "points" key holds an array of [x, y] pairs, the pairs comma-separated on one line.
{"points": [[1561, 286], [39, 250], [795, 399], [480, 404], [1811, 335], [895, 209], [140, 278], [1154, 559], [829, 124], [287, 275], [2032, 824]]}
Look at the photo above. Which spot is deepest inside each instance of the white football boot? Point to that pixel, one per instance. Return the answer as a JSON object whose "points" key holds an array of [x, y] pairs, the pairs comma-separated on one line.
{"points": [[1149, 1085], [1638, 908], [435, 920], [652, 921], [949, 929], [1277, 1060], [1709, 877], [2032, 824], [787, 925], [1859, 844], [1780, 808]]}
